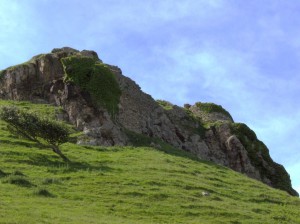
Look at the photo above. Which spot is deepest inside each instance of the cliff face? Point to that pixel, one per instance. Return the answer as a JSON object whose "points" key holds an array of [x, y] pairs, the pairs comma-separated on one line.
{"points": [[107, 106]]}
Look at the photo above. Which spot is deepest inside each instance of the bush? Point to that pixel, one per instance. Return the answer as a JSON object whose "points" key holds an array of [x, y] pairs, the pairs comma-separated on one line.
{"points": [[31, 126]]}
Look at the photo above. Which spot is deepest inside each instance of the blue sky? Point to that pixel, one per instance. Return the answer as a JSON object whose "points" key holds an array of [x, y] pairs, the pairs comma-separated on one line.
{"points": [[244, 55]]}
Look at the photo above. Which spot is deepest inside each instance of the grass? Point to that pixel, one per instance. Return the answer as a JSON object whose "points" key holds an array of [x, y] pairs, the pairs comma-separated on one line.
{"points": [[130, 185], [42, 109]]}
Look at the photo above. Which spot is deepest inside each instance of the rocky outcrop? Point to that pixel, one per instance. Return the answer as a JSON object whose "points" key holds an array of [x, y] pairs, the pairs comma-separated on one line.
{"points": [[204, 129]]}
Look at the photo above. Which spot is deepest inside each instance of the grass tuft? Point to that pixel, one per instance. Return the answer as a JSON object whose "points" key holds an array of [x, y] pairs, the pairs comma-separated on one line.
{"points": [[43, 193]]}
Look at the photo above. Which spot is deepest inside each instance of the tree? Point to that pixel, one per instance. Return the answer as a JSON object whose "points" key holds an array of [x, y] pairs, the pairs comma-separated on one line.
{"points": [[33, 127]]}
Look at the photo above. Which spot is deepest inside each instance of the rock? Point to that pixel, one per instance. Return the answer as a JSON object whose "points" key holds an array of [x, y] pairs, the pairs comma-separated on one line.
{"points": [[205, 193], [187, 106], [158, 146], [91, 54], [207, 130], [64, 49]]}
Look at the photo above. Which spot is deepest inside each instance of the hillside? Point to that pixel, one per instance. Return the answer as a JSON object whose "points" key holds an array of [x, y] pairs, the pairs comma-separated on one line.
{"points": [[110, 108], [128, 184]]}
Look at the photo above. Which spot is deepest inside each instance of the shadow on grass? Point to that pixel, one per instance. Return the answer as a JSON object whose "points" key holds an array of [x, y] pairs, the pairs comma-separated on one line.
{"points": [[21, 143], [56, 165], [3, 174], [136, 140], [43, 193], [18, 180]]}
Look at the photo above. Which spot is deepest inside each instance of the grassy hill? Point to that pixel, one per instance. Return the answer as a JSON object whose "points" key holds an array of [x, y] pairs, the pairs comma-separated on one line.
{"points": [[128, 185]]}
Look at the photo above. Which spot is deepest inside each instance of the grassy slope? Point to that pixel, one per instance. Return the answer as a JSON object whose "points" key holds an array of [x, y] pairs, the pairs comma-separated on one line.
{"points": [[129, 185]]}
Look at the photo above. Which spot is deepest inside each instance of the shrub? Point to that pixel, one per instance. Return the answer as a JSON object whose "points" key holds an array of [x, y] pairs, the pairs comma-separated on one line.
{"points": [[31, 126]]}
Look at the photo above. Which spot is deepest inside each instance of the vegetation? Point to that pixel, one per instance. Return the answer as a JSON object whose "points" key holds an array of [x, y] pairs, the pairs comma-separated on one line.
{"points": [[257, 149], [212, 108], [165, 104], [95, 78], [2, 72], [129, 185], [35, 128]]}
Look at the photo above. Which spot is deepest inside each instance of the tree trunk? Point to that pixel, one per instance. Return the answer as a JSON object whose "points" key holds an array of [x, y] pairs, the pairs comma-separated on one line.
{"points": [[57, 151]]}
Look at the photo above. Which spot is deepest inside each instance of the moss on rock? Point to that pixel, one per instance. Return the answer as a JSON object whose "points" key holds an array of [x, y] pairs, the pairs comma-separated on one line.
{"points": [[165, 104], [212, 108], [96, 78]]}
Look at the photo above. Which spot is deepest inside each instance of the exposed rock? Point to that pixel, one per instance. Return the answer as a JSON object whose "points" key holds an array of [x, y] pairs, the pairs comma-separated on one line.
{"points": [[64, 49], [205, 193], [204, 129], [91, 54], [187, 106]]}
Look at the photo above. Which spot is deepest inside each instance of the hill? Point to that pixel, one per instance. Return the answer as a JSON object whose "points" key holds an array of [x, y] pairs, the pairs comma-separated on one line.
{"points": [[128, 184], [110, 109]]}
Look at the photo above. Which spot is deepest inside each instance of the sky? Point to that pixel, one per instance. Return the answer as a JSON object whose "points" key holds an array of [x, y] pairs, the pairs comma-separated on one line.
{"points": [[243, 55]]}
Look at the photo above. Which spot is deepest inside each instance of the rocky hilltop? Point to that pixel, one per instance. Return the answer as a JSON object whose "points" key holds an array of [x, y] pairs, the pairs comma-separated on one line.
{"points": [[111, 109]]}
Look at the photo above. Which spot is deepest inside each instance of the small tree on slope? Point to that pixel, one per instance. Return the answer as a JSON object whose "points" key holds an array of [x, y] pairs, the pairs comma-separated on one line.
{"points": [[41, 130]]}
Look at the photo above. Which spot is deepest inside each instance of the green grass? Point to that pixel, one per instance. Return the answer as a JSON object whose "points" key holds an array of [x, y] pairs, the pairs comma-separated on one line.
{"points": [[129, 185], [43, 109]]}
